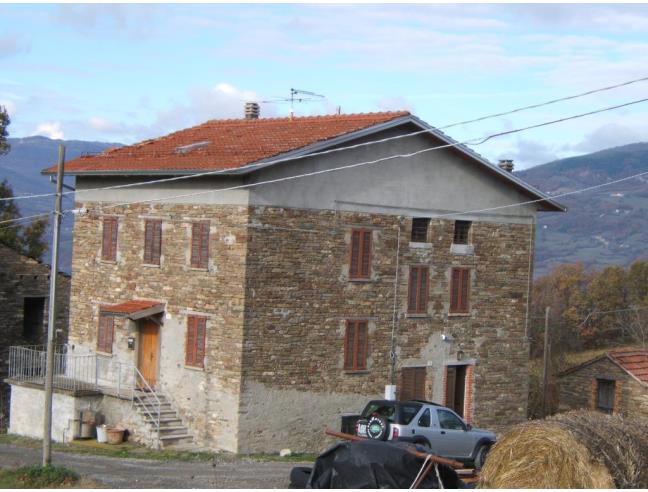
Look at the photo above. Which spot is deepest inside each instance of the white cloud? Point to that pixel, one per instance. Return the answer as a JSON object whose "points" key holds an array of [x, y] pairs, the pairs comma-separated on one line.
{"points": [[136, 20], [51, 129], [13, 45], [606, 136]]}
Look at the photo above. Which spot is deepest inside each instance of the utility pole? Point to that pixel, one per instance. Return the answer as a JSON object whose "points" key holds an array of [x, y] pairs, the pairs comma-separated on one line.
{"points": [[51, 318], [545, 366]]}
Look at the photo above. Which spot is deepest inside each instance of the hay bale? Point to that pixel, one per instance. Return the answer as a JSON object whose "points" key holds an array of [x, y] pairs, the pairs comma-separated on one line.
{"points": [[578, 449]]}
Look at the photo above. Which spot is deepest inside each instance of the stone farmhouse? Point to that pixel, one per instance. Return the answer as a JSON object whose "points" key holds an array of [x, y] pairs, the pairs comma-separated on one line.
{"points": [[262, 301], [615, 382], [24, 296]]}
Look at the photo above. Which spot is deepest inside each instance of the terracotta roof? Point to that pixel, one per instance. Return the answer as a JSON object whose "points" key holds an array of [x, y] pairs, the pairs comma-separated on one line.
{"points": [[223, 144], [632, 360], [133, 307]]}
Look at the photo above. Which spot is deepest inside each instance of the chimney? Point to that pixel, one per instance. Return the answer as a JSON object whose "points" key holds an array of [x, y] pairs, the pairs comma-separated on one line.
{"points": [[252, 111], [506, 164]]}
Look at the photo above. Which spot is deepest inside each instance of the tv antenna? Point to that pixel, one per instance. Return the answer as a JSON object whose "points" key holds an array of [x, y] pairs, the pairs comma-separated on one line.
{"points": [[296, 95]]}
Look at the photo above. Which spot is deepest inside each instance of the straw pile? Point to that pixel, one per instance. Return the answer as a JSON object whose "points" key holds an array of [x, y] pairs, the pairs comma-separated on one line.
{"points": [[584, 450]]}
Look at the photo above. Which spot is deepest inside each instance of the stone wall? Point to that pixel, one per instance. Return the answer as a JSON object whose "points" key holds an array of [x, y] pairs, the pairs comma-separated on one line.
{"points": [[299, 297], [207, 399], [577, 388], [22, 277]]}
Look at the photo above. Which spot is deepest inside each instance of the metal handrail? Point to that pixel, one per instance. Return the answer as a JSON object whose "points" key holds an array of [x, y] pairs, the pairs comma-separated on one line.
{"points": [[150, 391]]}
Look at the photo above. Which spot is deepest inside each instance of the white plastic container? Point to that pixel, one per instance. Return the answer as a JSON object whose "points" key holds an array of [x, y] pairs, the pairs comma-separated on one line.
{"points": [[102, 433]]}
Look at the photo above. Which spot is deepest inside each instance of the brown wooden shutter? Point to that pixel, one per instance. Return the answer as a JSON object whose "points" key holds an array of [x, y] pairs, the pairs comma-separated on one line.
{"points": [[349, 341], [361, 345], [200, 245], [105, 334], [190, 350], [413, 290], [451, 382], [412, 383], [196, 335], [360, 263], [460, 290], [109, 239], [152, 242], [424, 274]]}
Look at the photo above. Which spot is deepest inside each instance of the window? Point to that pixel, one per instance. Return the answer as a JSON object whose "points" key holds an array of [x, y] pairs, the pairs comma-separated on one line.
{"points": [[152, 241], [605, 390], [424, 420], [461, 231], [109, 239], [33, 317], [105, 334], [200, 244], [420, 229], [418, 289], [355, 346], [360, 266], [448, 420], [195, 348], [460, 290]]}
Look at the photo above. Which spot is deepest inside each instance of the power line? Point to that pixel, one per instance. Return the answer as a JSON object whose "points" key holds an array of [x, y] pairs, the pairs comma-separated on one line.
{"points": [[24, 218], [407, 155], [350, 147]]}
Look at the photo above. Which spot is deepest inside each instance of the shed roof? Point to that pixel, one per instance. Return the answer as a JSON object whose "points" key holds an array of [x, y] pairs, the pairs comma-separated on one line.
{"points": [[632, 360], [134, 309]]}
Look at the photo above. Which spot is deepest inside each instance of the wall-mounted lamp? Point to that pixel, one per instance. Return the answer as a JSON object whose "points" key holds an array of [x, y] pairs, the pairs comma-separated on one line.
{"points": [[460, 354], [446, 338], [131, 343]]}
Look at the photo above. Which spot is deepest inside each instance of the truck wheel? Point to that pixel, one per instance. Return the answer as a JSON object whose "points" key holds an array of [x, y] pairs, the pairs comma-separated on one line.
{"points": [[423, 442], [480, 456], [378, 428]]}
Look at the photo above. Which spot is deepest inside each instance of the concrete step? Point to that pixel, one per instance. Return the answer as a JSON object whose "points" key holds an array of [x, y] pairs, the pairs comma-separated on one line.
{"points": [[179, 431], [163, 421], [172, 441]]}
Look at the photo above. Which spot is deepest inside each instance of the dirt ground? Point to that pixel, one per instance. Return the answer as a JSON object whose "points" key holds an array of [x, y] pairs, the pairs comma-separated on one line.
{"points": [[139, 473]]}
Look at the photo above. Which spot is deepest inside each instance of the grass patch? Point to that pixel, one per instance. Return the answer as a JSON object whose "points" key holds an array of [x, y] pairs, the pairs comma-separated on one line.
{"points": [[38, 477], [293, 458], [123, 450]]}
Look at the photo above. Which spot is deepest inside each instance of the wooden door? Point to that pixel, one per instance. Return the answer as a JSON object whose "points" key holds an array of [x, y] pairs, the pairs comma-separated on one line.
{"points": [[148, 353], [455, 388], [412, 385]]}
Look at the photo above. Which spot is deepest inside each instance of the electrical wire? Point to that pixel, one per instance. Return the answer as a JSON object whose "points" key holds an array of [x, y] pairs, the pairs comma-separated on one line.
{"points": [[339, 149], [407, 155]]}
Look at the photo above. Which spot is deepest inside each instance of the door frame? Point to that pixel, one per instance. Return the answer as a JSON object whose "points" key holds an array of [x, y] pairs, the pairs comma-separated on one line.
{"points": [[140, 347]]}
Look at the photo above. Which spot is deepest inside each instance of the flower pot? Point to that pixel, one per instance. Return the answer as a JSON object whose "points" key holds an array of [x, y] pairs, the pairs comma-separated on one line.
{"points": [[115, 436]]}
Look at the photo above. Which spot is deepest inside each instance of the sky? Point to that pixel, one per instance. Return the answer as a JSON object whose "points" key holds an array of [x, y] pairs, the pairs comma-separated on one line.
{"points": [[127, 72]]}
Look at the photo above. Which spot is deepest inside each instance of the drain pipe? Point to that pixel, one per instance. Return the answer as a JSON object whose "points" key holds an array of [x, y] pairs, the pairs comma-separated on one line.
{"points": [[390, 389]]}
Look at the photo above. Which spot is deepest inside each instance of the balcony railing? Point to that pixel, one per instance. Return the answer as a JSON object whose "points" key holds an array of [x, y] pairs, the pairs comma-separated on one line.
{"points": [[72, 372]]}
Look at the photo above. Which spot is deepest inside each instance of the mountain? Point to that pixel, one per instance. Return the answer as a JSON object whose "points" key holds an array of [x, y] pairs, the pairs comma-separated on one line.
{"points": [[22, 167], [604, 226]]}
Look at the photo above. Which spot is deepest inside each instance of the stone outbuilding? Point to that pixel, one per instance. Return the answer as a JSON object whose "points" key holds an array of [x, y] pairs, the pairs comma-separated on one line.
{"points": [[24, 307], [615, 382], [261, 277]]}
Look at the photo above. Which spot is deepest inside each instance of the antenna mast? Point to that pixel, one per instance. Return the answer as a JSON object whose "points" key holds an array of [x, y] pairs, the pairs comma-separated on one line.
{"points": [[296, 95]]}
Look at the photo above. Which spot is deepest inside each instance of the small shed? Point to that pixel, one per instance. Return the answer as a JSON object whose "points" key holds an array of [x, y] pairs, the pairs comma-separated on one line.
{"points": [[615, 382]]}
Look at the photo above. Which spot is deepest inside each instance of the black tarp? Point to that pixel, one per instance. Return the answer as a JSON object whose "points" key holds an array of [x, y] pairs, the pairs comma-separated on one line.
{"points": [[371, 464]]}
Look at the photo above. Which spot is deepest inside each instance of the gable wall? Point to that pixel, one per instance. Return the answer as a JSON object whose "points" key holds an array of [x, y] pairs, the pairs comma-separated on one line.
{"points": [[577, 388]]}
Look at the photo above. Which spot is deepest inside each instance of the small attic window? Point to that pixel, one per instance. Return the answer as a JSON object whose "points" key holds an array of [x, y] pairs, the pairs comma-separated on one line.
{"points": [[185, 149]]}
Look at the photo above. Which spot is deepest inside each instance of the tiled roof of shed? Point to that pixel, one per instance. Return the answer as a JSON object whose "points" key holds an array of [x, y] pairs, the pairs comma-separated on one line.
{"points": [[225, 144], [633, 360]]}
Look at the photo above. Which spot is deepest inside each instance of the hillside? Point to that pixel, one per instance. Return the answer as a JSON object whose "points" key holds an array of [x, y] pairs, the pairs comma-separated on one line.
{"points": [[602, 227], [22, 167]]}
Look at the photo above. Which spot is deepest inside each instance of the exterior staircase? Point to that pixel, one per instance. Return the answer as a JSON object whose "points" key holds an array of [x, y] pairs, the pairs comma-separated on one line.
{"points": [[155, 408]]}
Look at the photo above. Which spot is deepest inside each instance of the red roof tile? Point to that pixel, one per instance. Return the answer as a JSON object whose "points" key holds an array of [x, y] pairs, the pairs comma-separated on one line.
{"points": [[633, 360], [130, 307], [223, 144]]}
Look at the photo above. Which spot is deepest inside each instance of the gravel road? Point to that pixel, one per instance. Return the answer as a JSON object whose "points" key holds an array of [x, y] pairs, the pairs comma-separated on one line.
{"points": [[137, 473]]}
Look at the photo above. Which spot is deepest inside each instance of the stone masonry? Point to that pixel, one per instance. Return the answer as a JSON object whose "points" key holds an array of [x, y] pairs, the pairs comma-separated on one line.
{"points": [[22, 277], [277, 295], [577, 389]]}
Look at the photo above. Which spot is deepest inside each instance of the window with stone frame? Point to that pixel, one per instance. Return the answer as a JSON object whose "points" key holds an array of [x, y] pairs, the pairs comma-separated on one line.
{"points": [[356, 342], [200, 244], [152, 241], [109, 239], [461, 231], [605, 393], [195, 343], [360, 255], [105, 333], [417, 296], [420, 226], [460, 291]]}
